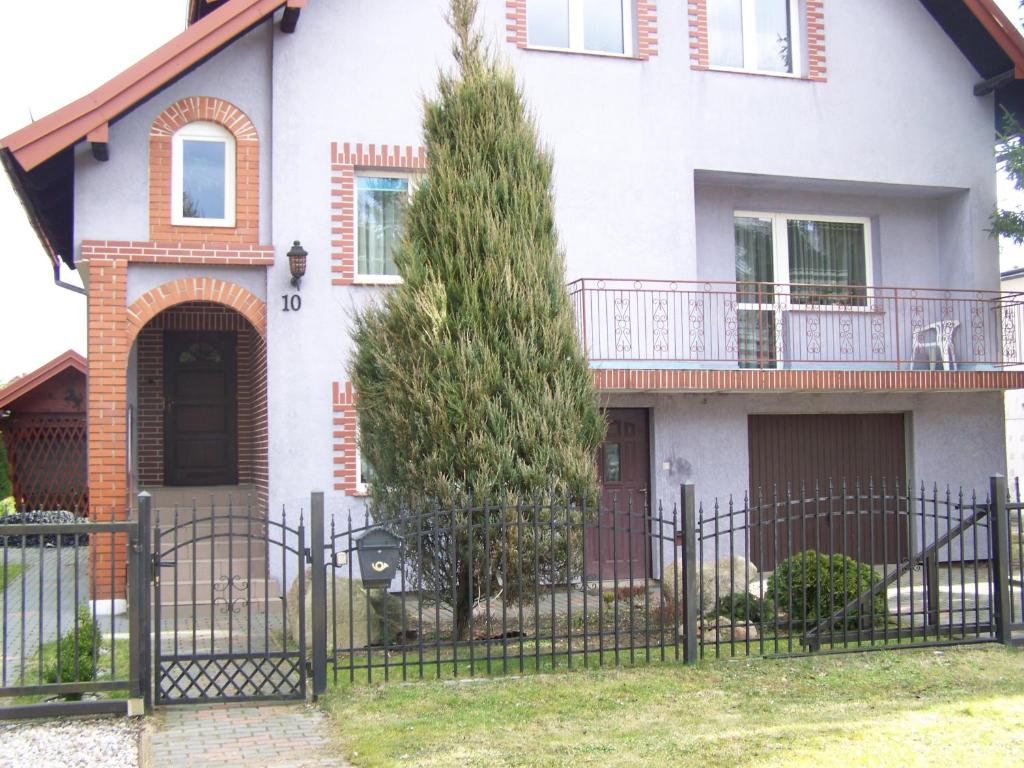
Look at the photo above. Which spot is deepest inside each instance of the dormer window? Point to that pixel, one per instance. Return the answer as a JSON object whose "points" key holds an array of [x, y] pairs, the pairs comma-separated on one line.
{"points": [[203, 176]]}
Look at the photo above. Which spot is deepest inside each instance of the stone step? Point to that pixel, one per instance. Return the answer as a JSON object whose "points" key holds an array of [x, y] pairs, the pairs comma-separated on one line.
{"points": [[207, 569], [207, 591], [202, 613], [166, 497], [220, 546]]}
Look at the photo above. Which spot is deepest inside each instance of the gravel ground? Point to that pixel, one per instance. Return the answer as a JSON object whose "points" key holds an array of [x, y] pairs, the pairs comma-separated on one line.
{"points": [[106, 743]]}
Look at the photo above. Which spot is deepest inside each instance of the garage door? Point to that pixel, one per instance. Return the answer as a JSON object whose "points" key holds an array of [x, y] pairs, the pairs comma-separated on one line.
{"points": [[793, 452]]}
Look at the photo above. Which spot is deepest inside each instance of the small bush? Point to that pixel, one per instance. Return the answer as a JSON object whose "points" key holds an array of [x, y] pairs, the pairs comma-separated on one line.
{"points": [[744, 607], [84, 651], [813, 586], [8, 506]]}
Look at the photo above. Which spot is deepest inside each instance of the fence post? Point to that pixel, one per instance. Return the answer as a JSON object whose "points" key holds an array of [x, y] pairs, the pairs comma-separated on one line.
{"points": [[931, 588], [318, 599], [689, 552], [999, 545], [139, 617]]}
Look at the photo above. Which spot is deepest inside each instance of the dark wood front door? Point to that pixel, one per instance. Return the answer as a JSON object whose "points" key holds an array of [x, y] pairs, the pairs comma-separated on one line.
{"points": [[618, 547], [200, 412], [794, 458]]}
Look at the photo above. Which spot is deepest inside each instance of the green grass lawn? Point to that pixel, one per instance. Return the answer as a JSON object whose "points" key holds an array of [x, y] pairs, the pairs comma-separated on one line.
{"points": [[955, 707], [9, 574]]}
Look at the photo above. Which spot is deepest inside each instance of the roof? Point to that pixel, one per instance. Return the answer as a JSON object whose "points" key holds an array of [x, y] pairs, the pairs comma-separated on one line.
{"points": [[25, 384], [40, 162], [38, 158]]}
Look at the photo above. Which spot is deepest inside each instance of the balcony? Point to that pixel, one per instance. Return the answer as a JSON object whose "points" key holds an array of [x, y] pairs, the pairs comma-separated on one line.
{"points": [[679, 325]]}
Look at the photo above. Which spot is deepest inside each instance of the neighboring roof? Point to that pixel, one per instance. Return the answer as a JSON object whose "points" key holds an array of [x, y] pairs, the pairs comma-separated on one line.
{"points": [[40, 162], [25, 384], [1012, 274]]}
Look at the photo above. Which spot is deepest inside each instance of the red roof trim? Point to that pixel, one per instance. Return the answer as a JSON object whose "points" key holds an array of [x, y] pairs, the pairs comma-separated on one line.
{"points": [[24, 384], [44, 138], [1002, 30]]}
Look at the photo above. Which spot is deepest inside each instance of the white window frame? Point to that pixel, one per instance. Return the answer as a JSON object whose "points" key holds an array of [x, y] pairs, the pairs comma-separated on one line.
{"points": [[374, 173], [780, 261], [202, 131], [577, 25], [748, 21], [362, 489]]}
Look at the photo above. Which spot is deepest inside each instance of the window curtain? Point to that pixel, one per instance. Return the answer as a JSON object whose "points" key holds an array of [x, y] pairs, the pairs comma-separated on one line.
{"points": [[725, 33], [774, 50], [754, 260], [830, 256], [380, 205]]}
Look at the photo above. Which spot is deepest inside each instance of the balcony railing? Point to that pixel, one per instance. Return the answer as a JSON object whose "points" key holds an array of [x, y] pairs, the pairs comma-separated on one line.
{"points": [[651, 323]]}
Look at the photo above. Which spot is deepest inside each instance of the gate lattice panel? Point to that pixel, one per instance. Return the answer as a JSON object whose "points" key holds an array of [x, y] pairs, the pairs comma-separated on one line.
{"points": [[47, 455], [227, 630]]}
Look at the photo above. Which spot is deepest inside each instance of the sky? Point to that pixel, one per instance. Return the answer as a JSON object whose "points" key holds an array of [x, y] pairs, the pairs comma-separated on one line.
{"points": [[53, 52]]}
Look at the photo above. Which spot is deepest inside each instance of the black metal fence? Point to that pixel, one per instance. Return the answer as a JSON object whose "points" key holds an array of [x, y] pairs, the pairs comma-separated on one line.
{"points": [[241, 607], [500, 588], [64, 648]]}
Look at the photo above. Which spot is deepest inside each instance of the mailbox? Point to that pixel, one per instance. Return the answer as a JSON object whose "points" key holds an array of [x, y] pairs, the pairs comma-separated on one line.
{"points": [[378, 557]]}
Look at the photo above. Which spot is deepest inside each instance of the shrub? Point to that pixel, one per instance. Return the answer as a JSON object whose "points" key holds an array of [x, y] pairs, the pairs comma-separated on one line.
{"points": [[812, 586], [84, 651], [7, 506], [742, 606]]}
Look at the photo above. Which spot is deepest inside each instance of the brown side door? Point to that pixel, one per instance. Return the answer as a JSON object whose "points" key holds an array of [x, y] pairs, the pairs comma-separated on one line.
{"points": [[618, 547], [200, 409], [794, 458]]}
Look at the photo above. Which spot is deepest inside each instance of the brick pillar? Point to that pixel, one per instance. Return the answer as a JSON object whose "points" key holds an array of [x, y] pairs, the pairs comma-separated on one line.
{"points": [[107, 415]]}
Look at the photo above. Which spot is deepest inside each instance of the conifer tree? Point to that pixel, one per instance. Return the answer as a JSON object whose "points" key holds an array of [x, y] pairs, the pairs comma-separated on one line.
{"points": [[6, 488], [471, 380]]}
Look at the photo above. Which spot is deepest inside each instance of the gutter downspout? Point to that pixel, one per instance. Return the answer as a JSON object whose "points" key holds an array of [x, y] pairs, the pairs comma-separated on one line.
{"points": [[66, 286]]}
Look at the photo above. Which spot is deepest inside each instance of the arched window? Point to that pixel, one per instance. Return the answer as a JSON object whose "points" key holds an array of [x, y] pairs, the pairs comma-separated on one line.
{"points": [[203, 176]]}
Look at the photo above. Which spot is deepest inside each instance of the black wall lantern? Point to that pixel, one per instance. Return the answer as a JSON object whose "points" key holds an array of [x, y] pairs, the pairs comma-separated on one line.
{"points": [[378, 557], [297, 263]]}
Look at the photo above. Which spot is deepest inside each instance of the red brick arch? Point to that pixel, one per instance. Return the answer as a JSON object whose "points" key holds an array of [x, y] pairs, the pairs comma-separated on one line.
{"points": [[232, 295], [247, 171]]}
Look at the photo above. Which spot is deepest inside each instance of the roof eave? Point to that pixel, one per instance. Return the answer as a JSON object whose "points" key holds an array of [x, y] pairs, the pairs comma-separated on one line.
{"points": [[25, 384]]}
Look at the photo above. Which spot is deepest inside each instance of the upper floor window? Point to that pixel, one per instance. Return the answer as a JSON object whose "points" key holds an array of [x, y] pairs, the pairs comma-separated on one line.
{"points": [[754, 35], [595, 26], [203, 176], [381, 200]]}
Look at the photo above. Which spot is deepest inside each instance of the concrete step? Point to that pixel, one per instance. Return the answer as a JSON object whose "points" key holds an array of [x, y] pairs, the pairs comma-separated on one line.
{"points": [[206, 591], [202, 613], [211, 569], [219, 546], [166, 497]]}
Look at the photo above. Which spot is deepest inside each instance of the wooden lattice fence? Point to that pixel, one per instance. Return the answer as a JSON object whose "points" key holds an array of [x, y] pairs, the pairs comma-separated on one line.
{"points": [[47, 455]]}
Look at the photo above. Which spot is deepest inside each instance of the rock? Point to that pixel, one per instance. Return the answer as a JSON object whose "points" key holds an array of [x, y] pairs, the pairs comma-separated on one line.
{"points": [[742, 632], [732, 574], [339, 620]]}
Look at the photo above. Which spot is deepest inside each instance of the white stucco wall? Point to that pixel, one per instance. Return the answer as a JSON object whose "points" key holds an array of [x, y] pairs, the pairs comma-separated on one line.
{"points": [[895, 134]]}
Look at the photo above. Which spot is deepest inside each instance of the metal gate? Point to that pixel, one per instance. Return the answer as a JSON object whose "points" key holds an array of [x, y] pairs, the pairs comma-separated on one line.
{"points": [[224, 629]]}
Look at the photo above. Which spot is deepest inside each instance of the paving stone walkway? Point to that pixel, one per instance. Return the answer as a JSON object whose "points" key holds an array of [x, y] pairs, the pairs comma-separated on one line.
{"points": [[240, 736]]}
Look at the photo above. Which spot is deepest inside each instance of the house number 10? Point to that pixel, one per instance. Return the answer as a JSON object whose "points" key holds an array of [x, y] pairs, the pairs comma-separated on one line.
{"points": [[292, 303]]}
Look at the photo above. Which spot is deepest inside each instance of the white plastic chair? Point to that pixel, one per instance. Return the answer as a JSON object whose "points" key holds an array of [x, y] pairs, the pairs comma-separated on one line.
{"points": [[940, 350]]}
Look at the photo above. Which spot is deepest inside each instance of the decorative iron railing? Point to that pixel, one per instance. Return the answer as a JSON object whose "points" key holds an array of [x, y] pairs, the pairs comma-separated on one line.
{"points": [[796, 326]]}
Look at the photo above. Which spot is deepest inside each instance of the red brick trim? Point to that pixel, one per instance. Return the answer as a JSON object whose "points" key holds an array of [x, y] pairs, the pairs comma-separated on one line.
{"points": [[346, 455], [346, 159], [150, 252], [647, 380], [247, 171], [697, 11], [645, 27], [814, 26], [155, 301], [515, 22], [816, 69]]}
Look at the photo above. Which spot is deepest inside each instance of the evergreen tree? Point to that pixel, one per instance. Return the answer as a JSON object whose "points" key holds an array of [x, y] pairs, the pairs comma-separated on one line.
{"points": [[1010, 156], [472, 383], [6, 488]]}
